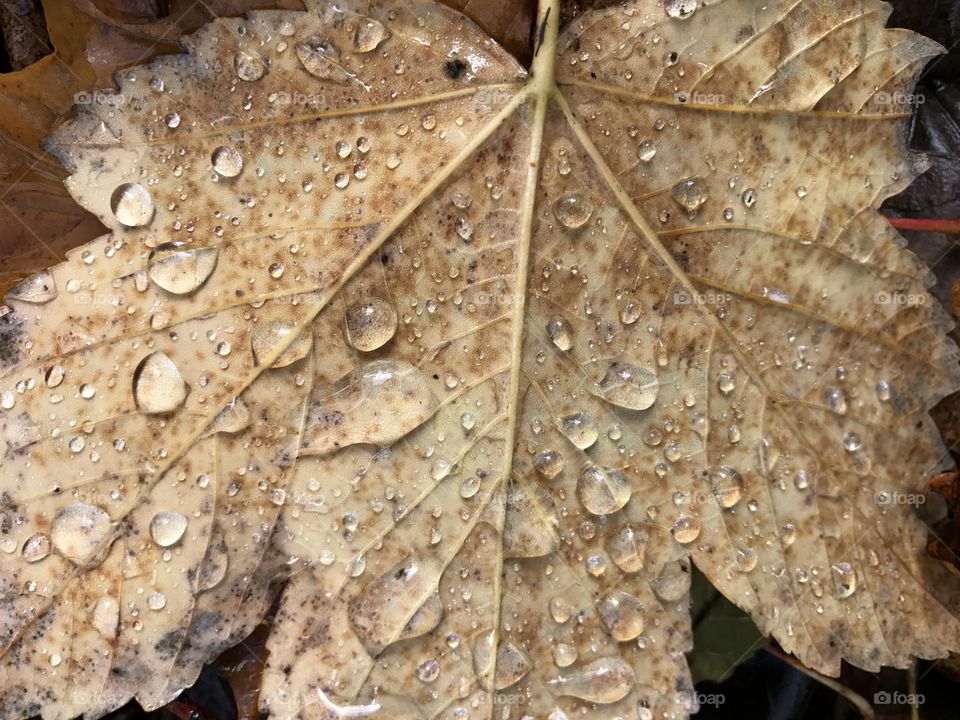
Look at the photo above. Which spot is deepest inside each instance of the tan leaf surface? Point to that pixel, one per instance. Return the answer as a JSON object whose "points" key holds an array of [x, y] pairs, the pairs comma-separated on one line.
{"points": [[471, 363]]}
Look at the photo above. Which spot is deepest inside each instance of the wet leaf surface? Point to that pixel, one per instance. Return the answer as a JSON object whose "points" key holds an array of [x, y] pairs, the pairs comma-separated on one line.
{"points": [[468, 364]]}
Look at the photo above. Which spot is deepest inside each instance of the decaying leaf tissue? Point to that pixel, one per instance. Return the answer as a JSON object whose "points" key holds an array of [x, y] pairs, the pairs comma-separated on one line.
{"points": [[457, 366]]}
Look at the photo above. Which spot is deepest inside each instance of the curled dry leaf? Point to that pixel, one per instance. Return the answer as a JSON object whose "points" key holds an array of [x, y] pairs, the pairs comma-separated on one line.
{"points": [[477, 361]]}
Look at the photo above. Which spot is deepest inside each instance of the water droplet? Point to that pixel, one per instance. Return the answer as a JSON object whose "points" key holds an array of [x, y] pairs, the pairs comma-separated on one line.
{"points": [[852, 442], [603, 681], [680, 9], [689, 194], [844, 580], [836, 399], [647, 151], [248, 68], [381, 612], [370, 324], [268, 336], [156, 601], [686, 529], [564, 655], [36, 548], [78, 529], [158, 386], [726, 383], [673, 581], [36, 289], [749, 197], [369, 35], [428, 671], [622, 615], [106, 617], [580, 429], [226, 161], [321, 59], [560, 610], [603, 491], [627, 548], [727, 485], [512, 665], [132, 205], [573, 210], [180, 268], [560, 332], [746, 559], [167, 527], [788, 534], [629, 386], [549, 464], [464, 230]]}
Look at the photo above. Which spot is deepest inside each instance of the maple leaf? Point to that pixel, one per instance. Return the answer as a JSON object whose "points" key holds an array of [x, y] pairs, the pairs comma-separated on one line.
{"points": [[468, 364]]}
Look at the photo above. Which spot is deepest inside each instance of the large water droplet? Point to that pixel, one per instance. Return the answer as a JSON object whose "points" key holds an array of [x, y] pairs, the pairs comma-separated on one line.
{"points": [[36, 548], [425, 619], [378, 405], [622, 615], [603, 491], [369, 35], [603, 681], [370, 324], [167, 527], [180, 268], [158, 386], [727, 485], [106, 617], [227, 161], [549, 464], [132, 205], [673, 581], [628, 386], [381, 612], [628, 548], [428, 670], [573, 210], [512, 665], [580, 429], [680, 9], [268, 336], [564, 655], [248, 68], [321, 59], [78, 529], [686, 529], [36, 289]]}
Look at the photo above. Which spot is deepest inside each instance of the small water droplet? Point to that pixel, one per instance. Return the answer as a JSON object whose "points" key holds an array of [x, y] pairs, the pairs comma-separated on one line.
{"points": [[156, 601], [749, 197], [564, 655], [602, 681], [627, 548], [36, 548], [428, 671], [689, 194], [680, 9], [844, 580], [549, 464], [647, 151], [686, 529], [622, 615]]}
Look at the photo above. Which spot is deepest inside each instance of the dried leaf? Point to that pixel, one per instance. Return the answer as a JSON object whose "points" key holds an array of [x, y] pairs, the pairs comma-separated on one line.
{"points": [[478, 362]]}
